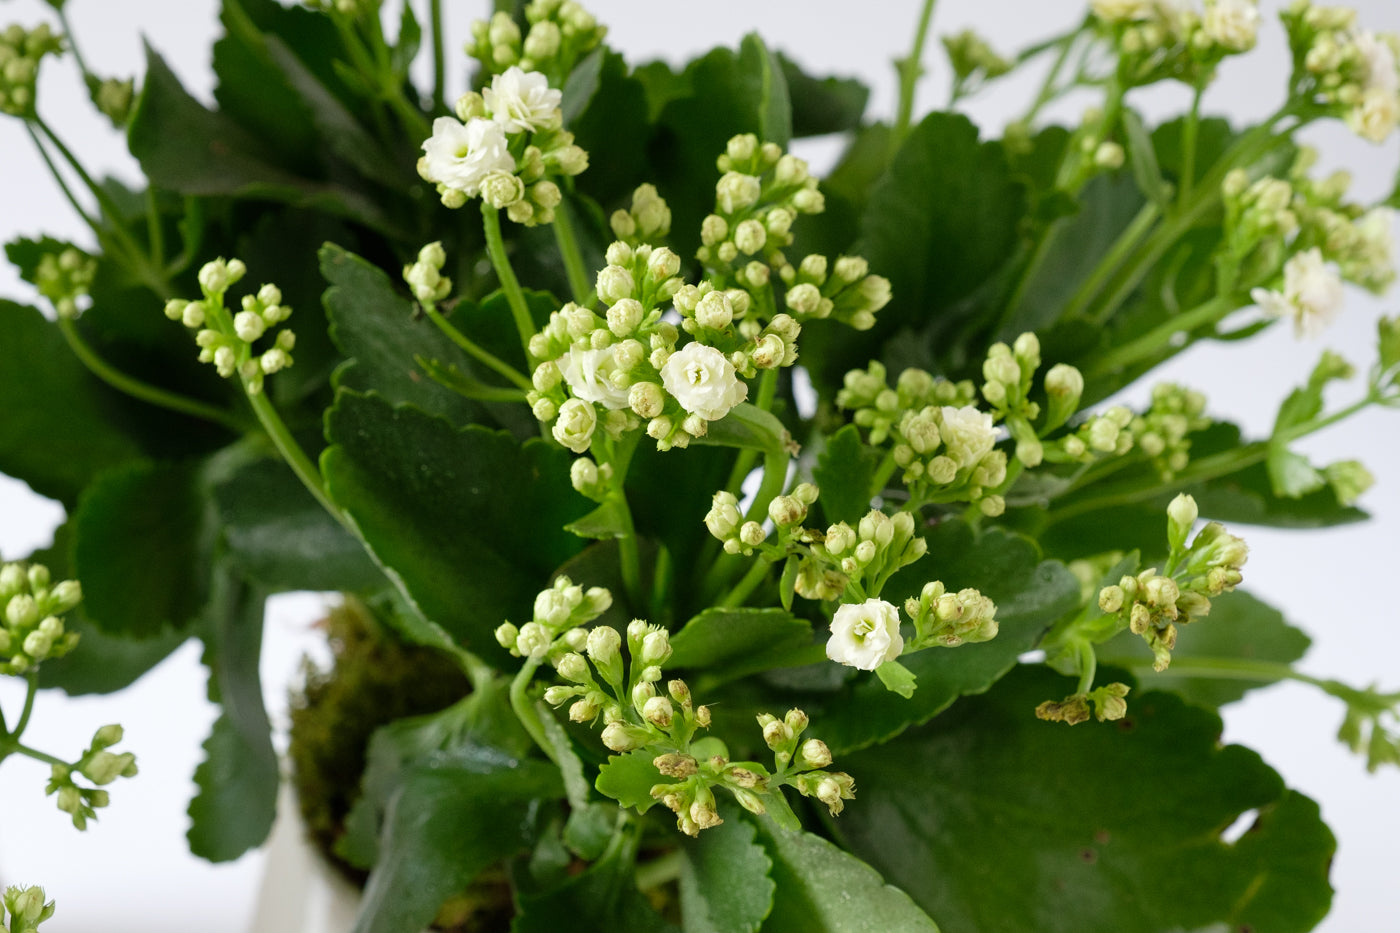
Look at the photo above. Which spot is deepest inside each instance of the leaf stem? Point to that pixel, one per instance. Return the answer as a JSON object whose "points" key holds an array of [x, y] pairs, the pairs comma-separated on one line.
{"points": [[1232, 669], [475, 350], [1127, 241], [141, 390], [659, 870], [439, 59], [909, 71], [746, 585], [569, 252], [31, 689], [525, 710], [1160, 336], [295, 457], [496, 250], [1189, 135]]}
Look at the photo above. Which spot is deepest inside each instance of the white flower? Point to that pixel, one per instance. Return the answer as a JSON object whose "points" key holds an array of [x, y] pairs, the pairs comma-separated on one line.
{"points": [[589, 375], [968, 434], [703, 381], [460, 155], [865, 635], [1378, 62], [1375, 115], [522, 101], [1119, 11], [574, 427], [1232, 24], [1312, 294]]}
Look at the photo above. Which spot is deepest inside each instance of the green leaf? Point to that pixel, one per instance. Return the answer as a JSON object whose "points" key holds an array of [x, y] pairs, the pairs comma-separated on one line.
{"points": [[603, 897], [1029, 593], [608, 520], [822, 105], [897, 678], [821, 889], [1143, 159], [629, 778], [61, 426], [470, 521], [283, 538], [611, 123], [237, 798], [750, 427], [994, 820], [448, 821], [732, 643], [724, 880], [1291, 474], [844, 473], [141, 548], [1239, 626]]}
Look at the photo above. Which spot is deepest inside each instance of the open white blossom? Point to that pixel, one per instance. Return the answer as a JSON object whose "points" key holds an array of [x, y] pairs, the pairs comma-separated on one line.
{"points": [[575, 425], [1231, 24], [1121, 11], [589, 374], [1378, 62], [522, 101], [461, 155], [1312, 294], [968, 434], [703, 381], [1375, 116], [865, 635]]}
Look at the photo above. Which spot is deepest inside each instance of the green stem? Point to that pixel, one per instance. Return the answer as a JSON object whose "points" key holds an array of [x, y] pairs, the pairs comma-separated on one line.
{"points": [[475, 351], [32, 689], [1189, 134], [141, 390], [525, 710], [629, 553], [1127, 241], [746, 585], [73, 44], [1160, 336], [909, 71], [659, 871], [295, 457], [573, 259], [439, 58], [1232, 669], [1088, 665], [775, 466], [154, 233], [37, 755], [1047, 91], [496, 250]]}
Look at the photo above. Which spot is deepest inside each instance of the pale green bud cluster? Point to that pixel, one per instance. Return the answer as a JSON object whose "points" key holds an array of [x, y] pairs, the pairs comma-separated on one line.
{"points": [[1108, 433], [23, 909], [1169, 40], [113, 98], [757, 199], [559, 613], [802, 763], [1009, 374], [1162, 432], [648, 220], [97, 765], [352, 9], [843, 290], [21, 51], [557, 34], [1108, 702], [950, 619], [31, 616], [65, 278], [876, 549], [1153, 604], [879, 409], [226, 339], [1351, 71], [424, 276], [973, 61]]}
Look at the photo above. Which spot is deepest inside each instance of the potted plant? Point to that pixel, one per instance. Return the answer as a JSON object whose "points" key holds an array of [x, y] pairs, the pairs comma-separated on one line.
{"points": [[721, 547]]}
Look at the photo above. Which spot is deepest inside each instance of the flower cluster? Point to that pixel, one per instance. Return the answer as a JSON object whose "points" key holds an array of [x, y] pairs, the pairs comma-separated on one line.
{"points": [[424, 275], [1108, 703], [23, 909], [1153, 604], [950, 619], [560, 33], [353, 9], [226, 340], [1351, 71], [648, 220], [65, 278], [973, 61], [21, 51], [503, 146], [1171, 39], [99, 766], [31, 610]]}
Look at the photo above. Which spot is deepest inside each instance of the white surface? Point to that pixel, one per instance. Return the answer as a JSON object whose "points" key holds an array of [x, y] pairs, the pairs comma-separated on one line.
{"points": [[130, 872]]}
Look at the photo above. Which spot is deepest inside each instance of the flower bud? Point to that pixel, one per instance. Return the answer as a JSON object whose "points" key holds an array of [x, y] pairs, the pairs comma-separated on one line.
{"points": [[573, 667], [614, 283], [659, 712]]}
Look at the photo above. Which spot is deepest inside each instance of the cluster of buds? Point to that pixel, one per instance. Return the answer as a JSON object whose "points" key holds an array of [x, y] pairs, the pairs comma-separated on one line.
{"points": [[23, 909], [559, 613], [1359, 240], [757, 200], [99, 766], [424, 275], [648, 220], [504, 146], [1163, 431], [558, 34], [1107, 433], [113, 98], [226, 340], [1259, 223], [802, 763], [1097, 151], [352, 9], [876, 549], [1153, 604], [1010, 374], [1351, 71], [878, 409], [950, 619], [21, 51], [973, 61], [787, 513], [1173, 40], [65, 278], [31, 610], [843, 290], [1107, 703]]}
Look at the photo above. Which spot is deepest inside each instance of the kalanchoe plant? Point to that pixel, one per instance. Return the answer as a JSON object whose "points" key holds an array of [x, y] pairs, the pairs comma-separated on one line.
{"points": [[723, 441]]}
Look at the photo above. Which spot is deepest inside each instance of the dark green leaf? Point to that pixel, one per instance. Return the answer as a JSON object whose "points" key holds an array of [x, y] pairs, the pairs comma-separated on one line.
{"points": [[821, 889], [1239, 626], [140, 548], [747, 426], [604, 897], [1143, 159], [822, 105], [844, 473], [237, 798], [629, 778], [994, 820], [1029, 593], [470, 521], [608, 520], [61, 426], [724, 881], [282, 537], [611, 123], [732, 643]]}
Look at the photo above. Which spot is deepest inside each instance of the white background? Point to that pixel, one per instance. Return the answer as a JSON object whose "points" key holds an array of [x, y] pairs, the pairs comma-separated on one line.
{"points": [[131, 872]]}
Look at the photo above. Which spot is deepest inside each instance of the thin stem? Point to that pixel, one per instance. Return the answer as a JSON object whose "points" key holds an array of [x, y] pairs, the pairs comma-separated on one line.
{"points": [[573, 259], [1047, 91], [32, 688], [58, 177], [476, 351], [629, 554], [38, 755], [141, 390], [775, 466], [73, 43], [1231, 669], [746, 585], [909, 71], [439, 58], [1127, 241], [659, 870], [1160, 336], [496, 250], [1189, 135], [154, 233], [296, 458], [525, 710]]}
